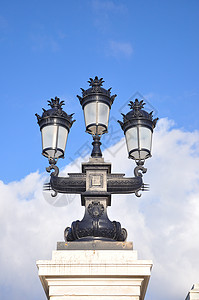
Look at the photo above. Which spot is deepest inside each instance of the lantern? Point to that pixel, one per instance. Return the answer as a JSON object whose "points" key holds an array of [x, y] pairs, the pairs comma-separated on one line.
{"points": [[138, 128], [55, 125], [96, 104]]}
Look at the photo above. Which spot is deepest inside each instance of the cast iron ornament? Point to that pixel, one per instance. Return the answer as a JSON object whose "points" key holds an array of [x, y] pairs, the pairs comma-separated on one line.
{"points": [[95, 223], [95, 209], [95, 226]]}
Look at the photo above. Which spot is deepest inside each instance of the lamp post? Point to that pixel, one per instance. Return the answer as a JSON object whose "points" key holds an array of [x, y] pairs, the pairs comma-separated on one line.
{"points": [[96, 183]]}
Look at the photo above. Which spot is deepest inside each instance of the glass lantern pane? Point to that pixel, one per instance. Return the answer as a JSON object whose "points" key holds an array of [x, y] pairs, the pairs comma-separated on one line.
{"points": [[90, 113], [145, 137], [136, 155], [96, 115], [49, 136], [143, 154], [62, 138], [51, 153], [131, 139], [103, 114]]}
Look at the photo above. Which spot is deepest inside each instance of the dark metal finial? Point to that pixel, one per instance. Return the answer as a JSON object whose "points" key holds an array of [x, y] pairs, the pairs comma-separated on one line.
{"points": [[55, 102], [96, 81], [155, 122], [136, 105]]}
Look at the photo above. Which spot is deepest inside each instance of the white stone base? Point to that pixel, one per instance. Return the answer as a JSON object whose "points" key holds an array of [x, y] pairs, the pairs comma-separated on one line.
{"points": [[194, 293], [94, 274]]}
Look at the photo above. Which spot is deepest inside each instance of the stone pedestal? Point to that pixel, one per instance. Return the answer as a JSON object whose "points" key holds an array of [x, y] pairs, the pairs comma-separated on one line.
{"points": [[194, 293], [109, 270]]}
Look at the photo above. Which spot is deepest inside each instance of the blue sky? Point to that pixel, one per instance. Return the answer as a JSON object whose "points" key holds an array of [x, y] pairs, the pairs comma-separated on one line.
{"points": [[141, 48], [51, 49]]}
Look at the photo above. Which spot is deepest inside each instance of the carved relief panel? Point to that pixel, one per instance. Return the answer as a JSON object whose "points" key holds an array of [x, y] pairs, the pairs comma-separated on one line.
{"points": [[96, 181]]}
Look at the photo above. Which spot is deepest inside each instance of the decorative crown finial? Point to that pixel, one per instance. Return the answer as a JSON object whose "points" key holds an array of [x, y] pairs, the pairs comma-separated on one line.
{"points": [[96, 81], [136, 105], [96, 89], [55, 103]]}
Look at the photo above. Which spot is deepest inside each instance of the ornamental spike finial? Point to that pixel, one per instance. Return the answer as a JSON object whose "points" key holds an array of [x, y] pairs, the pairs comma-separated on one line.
{"points": [[55, 103], [136, 105], [154, 122], [96, 81]]}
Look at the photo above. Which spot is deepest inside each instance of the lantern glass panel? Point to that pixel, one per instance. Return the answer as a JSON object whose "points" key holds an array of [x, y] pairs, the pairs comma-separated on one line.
{"points": [[62, 138], [54, 139], [49, 136], [90, 113], [145, 137], [103, 114], [132, 140], [96, 115], [138, 140]]}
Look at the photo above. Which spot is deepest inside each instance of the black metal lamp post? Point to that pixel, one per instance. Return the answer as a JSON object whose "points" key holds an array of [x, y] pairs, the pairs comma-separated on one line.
{"points": [[96, 183]]}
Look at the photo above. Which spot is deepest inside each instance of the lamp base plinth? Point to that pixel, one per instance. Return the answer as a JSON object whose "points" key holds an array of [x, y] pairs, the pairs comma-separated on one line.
{"points": [[94, 245], [95, 274]]}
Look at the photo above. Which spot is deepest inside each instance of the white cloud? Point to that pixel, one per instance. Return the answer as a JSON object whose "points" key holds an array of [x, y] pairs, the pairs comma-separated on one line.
{"points": [[42, 41], [119, 49], [104, 11], [163, 223], [108, 6]]}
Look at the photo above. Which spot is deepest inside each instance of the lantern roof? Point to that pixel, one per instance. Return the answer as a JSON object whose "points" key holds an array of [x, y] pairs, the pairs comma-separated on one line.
{"points": [[55, 112], [96, 90], [138, 116]]}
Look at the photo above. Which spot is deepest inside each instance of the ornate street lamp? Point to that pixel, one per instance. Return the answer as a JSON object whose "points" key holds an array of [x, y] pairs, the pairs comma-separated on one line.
{"points": [[96, 183], [55, 125], [138, 128], [96, 103]]}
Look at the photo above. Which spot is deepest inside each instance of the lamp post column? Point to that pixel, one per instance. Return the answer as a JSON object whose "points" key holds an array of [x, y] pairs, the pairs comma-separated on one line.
{"points": [[96, 152]]}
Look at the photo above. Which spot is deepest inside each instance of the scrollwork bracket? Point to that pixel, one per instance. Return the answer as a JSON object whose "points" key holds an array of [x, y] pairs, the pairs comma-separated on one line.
{"points": [[139, 171], [53, 167], [55, 173]]}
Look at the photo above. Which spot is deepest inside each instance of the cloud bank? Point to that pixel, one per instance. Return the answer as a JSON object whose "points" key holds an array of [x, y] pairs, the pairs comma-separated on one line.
{"points": [[102, 6], [120, 49], [163, 224]]}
